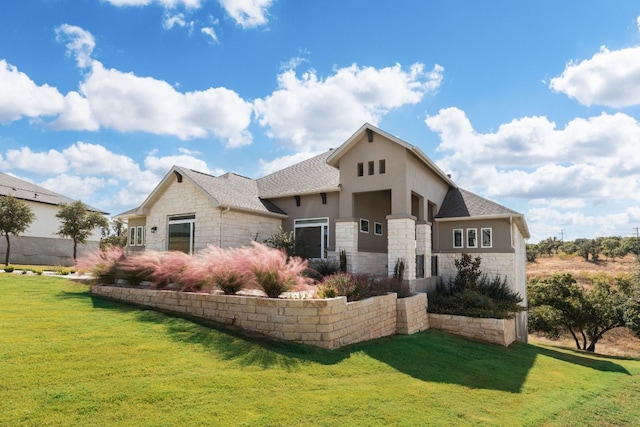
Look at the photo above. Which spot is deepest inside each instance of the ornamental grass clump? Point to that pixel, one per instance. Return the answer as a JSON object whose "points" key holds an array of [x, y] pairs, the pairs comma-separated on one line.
{"points": [[102, 264], [215, 267], [273, 271]]}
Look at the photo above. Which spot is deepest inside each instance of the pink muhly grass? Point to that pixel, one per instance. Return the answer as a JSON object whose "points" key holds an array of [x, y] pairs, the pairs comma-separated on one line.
{"points": [[172, 265], [102, 264], [222, 268], [273, 271], [141, 266]]}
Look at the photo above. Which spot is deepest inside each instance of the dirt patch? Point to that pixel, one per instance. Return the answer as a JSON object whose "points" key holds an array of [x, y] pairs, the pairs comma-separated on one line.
{"points": [[617, 342]]}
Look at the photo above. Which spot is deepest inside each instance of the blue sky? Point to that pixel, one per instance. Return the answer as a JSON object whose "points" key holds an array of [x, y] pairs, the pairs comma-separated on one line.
{"points": [[533, 104]]}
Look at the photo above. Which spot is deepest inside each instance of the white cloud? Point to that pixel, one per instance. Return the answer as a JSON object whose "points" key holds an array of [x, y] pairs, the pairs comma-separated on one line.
{"points": [[51, 161], [76, 114], [80, 43], [209, 31], [609, 78], [247, 13], [75, 187], [529, 158], [170, 20], [310, 113], [93, 159], [20, 96]]}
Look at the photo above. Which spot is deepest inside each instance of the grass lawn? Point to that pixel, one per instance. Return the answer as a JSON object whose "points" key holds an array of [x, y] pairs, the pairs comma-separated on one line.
{"points": [[69, 359]]}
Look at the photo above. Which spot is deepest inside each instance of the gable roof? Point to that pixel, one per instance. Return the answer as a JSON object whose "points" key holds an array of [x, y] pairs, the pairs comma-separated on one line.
{"points": [[228, 190], [24, 190], [310, 176], [334, 158], [461, 204]]}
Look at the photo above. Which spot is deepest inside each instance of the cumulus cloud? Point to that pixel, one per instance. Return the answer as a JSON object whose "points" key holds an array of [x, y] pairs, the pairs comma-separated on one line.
{"points": [[310, 113], [530, 158], [169, 4], [22, 97], [609, 78], [209, 31], [76, 187], [247, 13], [51, 161], [268, 167], [162, 165], [79, 43]]}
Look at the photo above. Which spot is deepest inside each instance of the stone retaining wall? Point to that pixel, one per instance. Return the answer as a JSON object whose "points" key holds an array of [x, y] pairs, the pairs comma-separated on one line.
{"points": [[496, 331], [326, 323], [412, 314]]}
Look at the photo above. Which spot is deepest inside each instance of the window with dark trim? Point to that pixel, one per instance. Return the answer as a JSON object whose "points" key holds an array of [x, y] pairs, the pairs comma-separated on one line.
{"points": [[364, 225], [377, 228], [486, 237], [371, 167], [382, 167], [457, 238], [472, 238], [360, 169]]}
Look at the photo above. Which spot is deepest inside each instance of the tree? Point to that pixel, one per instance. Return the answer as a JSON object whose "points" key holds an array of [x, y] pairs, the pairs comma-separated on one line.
{"points": [[77, 222], [586, 247], [15, 217], [116, 236], [558, 304]]}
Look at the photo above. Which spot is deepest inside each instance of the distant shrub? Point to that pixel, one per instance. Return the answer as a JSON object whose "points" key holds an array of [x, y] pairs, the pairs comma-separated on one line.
{"points": [[37, 271], [24, 271], [9, 268], [357, 287], [324, 267], [63, 271]]}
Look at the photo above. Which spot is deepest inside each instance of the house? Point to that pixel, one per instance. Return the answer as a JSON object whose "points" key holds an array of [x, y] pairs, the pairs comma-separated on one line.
{"points": [[376, 197], [39, 244]]}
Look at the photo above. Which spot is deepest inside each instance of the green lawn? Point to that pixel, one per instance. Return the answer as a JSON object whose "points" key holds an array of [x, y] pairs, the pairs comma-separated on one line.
{"points": [[69, 359]]}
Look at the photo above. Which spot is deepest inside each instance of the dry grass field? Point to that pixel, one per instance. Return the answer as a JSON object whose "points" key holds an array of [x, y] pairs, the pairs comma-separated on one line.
{"points": [[618, 342]]}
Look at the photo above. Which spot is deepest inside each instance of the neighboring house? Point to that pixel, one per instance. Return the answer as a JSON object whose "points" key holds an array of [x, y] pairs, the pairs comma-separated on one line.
{"points": [[39, 244], [376, 197]]}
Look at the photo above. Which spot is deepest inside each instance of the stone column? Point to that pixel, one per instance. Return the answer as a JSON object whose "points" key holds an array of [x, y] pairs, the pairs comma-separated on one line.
{"points": [[423, 244], [347, 240], [402, 244]]}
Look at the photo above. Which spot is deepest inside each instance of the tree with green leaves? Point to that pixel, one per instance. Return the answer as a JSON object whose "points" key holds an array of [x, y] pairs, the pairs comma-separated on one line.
{"points": [[116, 236], [558, 304], [78, 223], [15, 217]]}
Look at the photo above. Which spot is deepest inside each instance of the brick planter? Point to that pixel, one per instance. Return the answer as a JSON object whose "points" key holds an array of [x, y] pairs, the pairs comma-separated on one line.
{"points": [[496, 331], [412, 314], [326, 323]]}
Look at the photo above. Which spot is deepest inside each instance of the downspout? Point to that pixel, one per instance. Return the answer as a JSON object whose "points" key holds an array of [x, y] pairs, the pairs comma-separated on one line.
{"points": [[222, 212]]}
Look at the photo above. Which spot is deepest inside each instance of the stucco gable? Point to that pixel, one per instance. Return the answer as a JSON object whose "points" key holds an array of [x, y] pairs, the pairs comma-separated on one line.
{"points": [[368, 130]]}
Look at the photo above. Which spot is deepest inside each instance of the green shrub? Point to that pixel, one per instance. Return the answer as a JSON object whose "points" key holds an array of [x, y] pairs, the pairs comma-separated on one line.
{"points": [[326, 290], [63, 271], [474, 294], [323, 268], [24, 271], [37, 271], [9, 268]]}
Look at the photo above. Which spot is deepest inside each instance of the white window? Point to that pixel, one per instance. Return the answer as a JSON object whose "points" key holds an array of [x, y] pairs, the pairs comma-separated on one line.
{"points": [[457, 238], [377, 228], [182, 231], [472, 238], [486, 238], [311, 237], [136, 236], [364, 225]]}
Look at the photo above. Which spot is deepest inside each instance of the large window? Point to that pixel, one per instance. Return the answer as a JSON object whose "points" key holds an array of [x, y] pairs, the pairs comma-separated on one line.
{"points": [[311, 237], [182, 230]]}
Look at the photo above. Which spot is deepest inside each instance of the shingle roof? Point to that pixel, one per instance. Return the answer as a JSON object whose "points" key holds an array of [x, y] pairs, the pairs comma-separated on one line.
{"points": [[313, 175], [462, 203], [232, 190], [24, 190]]}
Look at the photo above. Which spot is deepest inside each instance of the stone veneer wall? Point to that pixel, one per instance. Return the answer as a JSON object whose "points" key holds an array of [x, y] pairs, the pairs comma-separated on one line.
{"points": [[496, 331], [492, 264], [372, 263], [412, 314], [326, 323]]}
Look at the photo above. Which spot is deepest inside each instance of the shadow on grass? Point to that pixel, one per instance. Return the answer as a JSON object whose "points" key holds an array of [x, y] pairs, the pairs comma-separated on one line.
{"points": [[430, 356]]}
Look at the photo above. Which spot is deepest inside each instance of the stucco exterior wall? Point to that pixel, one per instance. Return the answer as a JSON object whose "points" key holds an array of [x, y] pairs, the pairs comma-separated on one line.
{"points": [[492, 264], [46, 224], [500, 229]]}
